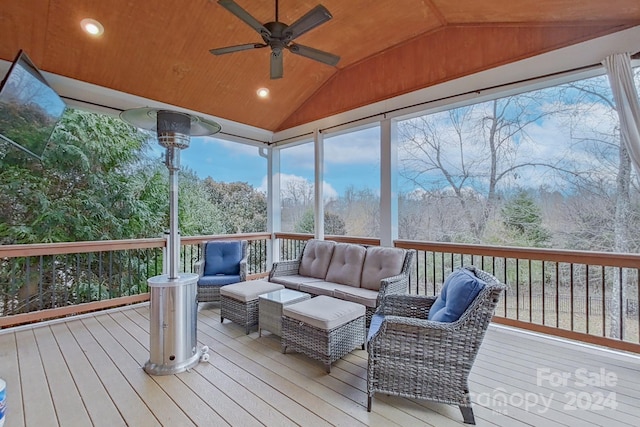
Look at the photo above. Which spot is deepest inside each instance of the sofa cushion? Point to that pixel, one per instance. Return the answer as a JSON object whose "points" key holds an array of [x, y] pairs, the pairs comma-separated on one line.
{"points": [[249, 290], [315, 258], [318, 288], [218, 280], [222, 257], [366, 297], [293, 281], [458, 292], [380, 263], [346, 264], [324, 312]]}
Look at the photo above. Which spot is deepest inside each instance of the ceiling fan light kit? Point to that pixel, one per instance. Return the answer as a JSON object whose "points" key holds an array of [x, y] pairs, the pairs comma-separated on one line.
{"points": [[279, 36]]}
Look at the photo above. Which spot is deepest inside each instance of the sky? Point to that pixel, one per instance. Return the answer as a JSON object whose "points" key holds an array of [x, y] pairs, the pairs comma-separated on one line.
{"points": [[351, 160]]}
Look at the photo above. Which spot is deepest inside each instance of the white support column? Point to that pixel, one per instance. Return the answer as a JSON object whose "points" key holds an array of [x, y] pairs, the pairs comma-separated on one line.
{"points": [[318, 145], [274, 216], [388, 182]]}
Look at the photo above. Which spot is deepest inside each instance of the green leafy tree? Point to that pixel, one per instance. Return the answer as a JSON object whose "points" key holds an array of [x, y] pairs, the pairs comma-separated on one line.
{"points": [[333, 224], [244, 207], [198, 215], [91, 185], [523, 218]]}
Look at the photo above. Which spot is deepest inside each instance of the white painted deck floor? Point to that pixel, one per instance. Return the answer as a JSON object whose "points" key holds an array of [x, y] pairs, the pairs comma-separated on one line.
{"points": [[88, 371]]}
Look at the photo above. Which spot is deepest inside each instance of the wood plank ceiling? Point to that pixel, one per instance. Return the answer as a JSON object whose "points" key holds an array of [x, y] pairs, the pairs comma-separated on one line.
{"points": [[160, 49]]}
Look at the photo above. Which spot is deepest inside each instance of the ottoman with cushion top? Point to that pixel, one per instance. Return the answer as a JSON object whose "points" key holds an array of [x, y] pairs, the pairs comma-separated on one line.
{"points": [[324, 328], [239, 302]]}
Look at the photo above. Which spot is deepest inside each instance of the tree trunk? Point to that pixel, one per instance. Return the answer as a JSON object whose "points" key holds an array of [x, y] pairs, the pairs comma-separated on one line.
{"points": [[621, 242]]}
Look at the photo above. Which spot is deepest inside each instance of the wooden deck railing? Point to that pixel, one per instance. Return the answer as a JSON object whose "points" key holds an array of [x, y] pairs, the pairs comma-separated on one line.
{"points": [[44, 281], [588, 296]]}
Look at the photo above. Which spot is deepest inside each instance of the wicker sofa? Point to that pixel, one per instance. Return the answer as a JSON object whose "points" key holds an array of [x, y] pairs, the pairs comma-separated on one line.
{"points": [[356, 273]]}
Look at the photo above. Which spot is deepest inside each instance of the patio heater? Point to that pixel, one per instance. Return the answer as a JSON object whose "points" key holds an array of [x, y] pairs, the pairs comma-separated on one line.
{"points": [[174, 306]]}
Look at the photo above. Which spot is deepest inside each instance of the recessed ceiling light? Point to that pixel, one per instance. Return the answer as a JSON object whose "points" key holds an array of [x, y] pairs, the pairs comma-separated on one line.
{"points": [[263, 92], [92, 27]]}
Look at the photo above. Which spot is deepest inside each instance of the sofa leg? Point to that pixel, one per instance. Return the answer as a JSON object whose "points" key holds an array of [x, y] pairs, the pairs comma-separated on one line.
{"points": [[369, 403], [467, 414]]}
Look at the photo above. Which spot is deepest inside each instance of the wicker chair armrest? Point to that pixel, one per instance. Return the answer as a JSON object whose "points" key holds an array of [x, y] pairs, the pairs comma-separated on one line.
{"points": [[284, 268], [243, 269], [198, 267], [416, 306], [425, 332]]}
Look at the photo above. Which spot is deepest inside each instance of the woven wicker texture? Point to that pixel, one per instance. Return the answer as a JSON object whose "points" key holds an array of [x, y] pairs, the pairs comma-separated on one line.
{"points": [[243, 314], [413, 357], [326, 346]]}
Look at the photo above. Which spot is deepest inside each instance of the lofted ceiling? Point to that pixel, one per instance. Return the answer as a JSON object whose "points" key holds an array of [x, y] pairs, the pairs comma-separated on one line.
{"points": [[159, 50]]}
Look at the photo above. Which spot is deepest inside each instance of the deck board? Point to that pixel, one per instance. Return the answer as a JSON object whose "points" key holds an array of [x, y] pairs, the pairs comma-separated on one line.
{"points": [[66, 399], [35, 389], [101, 409], [88, 371], [10, 372]]}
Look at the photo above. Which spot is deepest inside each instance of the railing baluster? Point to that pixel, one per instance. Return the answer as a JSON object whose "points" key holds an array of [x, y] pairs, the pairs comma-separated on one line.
{"points": [[621, 320], [604, 301], [40, 282], [571, 311], [517, 260], [557, 294], [530, 295], [544, 291], [587, 295]]}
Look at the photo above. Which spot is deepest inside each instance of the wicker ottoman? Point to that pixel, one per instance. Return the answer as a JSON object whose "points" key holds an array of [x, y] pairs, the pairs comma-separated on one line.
{"points": [[324, 328], [239, 302]]}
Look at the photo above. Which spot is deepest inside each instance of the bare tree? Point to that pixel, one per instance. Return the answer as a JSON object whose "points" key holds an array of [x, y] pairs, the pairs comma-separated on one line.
{"points": [[472, 152]]}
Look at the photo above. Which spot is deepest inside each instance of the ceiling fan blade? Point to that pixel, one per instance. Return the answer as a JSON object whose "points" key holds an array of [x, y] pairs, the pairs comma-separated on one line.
{"points": [[276, 65], [242, 14], [316, 16], [315, 54], [237, 48]]}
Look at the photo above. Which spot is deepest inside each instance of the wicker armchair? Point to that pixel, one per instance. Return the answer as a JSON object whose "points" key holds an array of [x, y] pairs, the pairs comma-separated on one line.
{"points": [[413, 357], [223, 263]]}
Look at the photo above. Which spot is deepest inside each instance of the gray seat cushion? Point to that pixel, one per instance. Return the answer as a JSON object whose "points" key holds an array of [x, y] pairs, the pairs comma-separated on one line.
{"points": [[315, 258], [346, 264], [324, 312], [380, 263], [293, 281]]}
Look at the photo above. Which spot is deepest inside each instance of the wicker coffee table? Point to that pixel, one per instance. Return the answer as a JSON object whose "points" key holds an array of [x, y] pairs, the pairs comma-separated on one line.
{"points": [[270, 308]]}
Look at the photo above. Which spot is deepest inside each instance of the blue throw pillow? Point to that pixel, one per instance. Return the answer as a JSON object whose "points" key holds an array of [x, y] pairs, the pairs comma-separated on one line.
{"points": [[458, 292], [222, 257]]}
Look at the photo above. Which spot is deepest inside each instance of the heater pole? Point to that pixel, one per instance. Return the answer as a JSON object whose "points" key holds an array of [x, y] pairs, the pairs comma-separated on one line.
{"points": [[173, 155]]}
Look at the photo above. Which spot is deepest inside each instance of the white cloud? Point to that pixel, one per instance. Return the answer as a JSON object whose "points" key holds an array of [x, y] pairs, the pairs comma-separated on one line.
{"points": [[361, 147], [294, 186]]}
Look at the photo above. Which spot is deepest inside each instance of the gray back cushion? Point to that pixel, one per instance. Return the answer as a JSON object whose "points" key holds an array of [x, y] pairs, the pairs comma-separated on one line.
{"points": [[381, 262], [315, 258], [346, 264]]}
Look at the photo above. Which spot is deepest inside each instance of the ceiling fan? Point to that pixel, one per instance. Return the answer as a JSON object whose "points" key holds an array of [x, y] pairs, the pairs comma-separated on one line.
{"points": [[279, 36]]}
